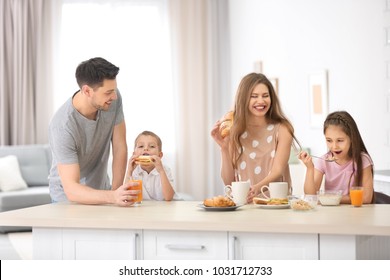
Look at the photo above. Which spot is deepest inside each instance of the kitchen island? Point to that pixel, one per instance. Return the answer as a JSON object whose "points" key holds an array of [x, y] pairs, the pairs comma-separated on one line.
{"points": [[184, 230]]}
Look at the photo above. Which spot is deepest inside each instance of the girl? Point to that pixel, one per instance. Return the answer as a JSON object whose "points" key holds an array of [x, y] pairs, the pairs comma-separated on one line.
{"points": [[352, 166], [258, 146]]}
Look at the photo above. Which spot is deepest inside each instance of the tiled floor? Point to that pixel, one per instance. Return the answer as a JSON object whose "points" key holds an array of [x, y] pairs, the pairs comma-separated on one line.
{"points": [[16, 246]]}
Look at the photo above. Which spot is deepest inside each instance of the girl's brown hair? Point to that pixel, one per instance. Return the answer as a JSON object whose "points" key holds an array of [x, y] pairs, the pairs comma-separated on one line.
{"points": [[345, 121], [241, 112]]}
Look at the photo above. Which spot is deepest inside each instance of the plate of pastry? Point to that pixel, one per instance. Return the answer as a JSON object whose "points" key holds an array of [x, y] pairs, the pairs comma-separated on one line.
{"points": [[215, 208], [219, 203]]}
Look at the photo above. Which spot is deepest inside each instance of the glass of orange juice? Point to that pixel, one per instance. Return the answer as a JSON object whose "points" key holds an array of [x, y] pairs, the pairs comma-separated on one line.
{"points": [[356, 195], [138, 187]]}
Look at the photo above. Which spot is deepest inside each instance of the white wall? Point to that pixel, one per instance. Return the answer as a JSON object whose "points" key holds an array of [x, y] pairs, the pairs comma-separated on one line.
{"points": [[294, 38]]}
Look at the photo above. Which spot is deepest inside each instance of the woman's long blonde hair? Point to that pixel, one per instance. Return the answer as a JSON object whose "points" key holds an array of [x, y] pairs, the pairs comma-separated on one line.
{"points": [[241, 112]]}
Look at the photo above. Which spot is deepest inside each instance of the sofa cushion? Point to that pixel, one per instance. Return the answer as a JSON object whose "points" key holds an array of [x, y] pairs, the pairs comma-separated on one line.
{"points": [[27, 198], [34, 162], [10, 177]]}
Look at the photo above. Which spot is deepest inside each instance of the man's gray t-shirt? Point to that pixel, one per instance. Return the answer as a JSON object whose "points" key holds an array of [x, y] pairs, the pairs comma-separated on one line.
{"points": [[75, 139]]}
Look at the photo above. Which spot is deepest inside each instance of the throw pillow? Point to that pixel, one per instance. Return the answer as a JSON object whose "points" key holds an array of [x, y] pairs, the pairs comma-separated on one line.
{"points": [[10, 177]]}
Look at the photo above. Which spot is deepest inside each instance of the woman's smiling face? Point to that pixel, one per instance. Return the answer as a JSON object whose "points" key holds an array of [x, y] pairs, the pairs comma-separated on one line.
{"points": [[338, 143], [260, 101]]}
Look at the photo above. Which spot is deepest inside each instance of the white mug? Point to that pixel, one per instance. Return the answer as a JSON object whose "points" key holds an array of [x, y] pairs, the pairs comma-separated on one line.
{"points": [[276, 190], [238, 192]]}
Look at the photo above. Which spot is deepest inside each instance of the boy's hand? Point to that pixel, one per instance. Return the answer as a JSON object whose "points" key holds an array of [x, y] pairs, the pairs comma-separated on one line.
{"points": [[131, 164], [157, 163]]}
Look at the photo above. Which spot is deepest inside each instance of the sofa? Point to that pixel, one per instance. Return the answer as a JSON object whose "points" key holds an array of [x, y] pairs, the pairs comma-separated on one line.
{"points": [[24, 171]]}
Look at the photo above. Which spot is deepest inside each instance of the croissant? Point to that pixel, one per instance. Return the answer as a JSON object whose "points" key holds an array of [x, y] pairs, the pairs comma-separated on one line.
{"points": [[219, 201], [226, 124]]}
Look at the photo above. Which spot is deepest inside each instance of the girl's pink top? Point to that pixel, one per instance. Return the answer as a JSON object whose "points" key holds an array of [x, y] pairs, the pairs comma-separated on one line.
{"points": [[339, 177]]}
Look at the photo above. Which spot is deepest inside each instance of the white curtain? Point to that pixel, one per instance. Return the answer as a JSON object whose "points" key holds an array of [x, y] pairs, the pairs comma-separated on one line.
{"points": [[200, 50], [25, 71]]}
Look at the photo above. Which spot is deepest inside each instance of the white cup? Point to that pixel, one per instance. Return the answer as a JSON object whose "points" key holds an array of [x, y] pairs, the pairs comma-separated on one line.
{"points": [[238, 192], [276, 190]]}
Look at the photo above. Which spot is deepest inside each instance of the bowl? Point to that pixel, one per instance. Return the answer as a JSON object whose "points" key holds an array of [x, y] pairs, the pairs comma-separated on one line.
{"points": [[329, 198], [312, 199], [307, 202]]}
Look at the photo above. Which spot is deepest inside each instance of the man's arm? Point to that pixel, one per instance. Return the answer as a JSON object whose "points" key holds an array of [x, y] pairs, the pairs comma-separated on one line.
{"points": [[119, 155], [76, 192]]}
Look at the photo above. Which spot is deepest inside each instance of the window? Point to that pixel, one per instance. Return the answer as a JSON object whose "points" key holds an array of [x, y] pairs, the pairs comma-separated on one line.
{"points": [[134, 36]]}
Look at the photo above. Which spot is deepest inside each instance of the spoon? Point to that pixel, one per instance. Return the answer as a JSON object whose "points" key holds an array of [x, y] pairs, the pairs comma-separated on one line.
{"points": [[326, 159]]}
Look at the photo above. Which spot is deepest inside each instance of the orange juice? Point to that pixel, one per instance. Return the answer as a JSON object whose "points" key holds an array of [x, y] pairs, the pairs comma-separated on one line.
{"points": [[356, 195], [139, 187]]}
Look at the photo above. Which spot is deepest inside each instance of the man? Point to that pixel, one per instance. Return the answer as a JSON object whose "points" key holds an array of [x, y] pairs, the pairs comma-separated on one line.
{"points": [[80, 135]]}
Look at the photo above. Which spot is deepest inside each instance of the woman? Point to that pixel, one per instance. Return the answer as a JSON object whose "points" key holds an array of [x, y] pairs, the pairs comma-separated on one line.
{"points": [[259, 144]]}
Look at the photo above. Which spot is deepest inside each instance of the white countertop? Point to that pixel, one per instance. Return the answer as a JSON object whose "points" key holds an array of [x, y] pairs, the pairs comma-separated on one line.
{"points": [[186, 215]]}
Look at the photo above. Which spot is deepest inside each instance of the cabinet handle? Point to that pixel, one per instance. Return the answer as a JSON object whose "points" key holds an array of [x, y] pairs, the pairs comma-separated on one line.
{"points": [[233, 241], [136, 236], [184, 247]]}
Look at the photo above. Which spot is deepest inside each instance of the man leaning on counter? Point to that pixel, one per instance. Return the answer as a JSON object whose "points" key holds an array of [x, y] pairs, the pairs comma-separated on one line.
{"points": [[80, 135]]}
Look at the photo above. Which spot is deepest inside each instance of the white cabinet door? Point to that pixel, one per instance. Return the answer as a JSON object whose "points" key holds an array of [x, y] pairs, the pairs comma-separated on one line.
{"points": [[272, 246], [100, 244], [184, 245], [87, 244], [354, 247]]}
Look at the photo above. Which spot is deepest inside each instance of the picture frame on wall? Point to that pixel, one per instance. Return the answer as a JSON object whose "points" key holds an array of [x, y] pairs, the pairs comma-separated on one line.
{"points": [[318, 98], [275, 84], [387, 36], [258, 66], [388, 69]]}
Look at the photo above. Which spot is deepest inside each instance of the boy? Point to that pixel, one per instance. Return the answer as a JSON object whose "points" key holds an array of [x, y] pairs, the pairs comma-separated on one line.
{"points": [[157, 179]]}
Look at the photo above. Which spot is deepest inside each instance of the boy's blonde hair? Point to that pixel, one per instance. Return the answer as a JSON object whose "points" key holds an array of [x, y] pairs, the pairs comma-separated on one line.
{"points": [[149, 133]]}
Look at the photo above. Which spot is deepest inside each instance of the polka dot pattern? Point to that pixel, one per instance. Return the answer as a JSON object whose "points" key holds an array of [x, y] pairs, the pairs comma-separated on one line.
{"points": [[258, 152]]}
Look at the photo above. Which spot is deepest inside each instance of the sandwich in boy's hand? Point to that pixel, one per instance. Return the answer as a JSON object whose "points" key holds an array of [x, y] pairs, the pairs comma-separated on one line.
{"points": [[144, 160]]}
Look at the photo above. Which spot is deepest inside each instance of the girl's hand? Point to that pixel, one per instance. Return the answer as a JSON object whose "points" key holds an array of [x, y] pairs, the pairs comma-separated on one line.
{"points": [[306, 159]]}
